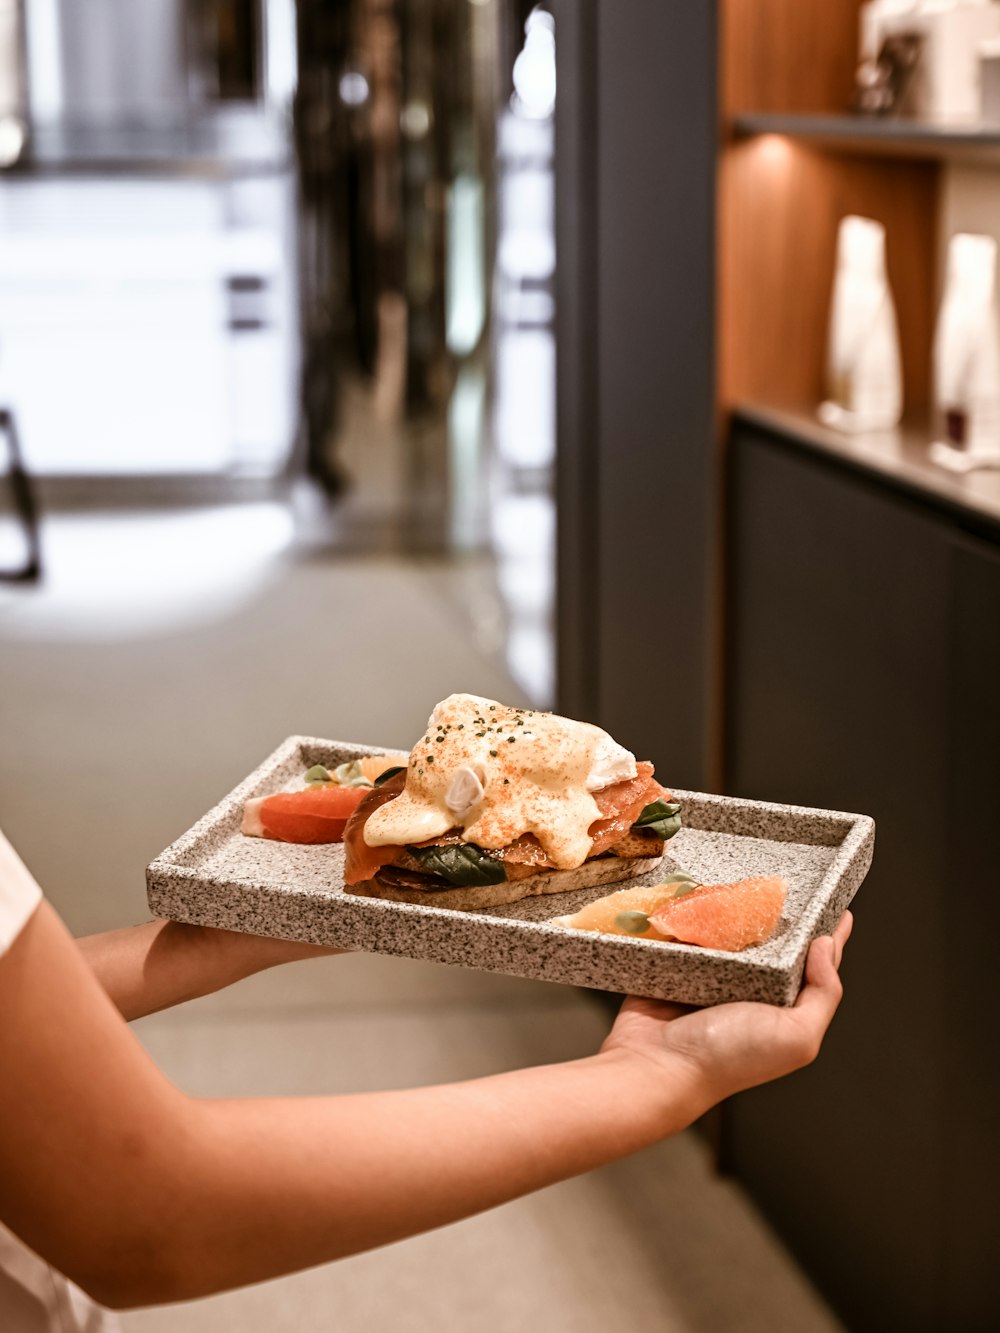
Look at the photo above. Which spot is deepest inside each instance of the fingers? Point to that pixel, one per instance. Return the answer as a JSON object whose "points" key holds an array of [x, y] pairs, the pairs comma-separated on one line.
{"points": [[822, 992], [831, 948], [821, 963], [841, 935]]}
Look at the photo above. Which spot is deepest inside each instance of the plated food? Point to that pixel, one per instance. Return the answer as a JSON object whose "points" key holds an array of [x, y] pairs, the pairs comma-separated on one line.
{"points": [[214, 875], [495, 804], [500, 803]]}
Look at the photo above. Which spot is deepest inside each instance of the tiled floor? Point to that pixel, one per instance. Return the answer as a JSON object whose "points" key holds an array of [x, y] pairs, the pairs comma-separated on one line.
{"points": [[138, 734]]}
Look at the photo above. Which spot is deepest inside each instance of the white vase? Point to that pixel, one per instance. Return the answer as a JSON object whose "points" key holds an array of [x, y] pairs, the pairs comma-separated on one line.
{"points": [[864, 369], [967, 358]]}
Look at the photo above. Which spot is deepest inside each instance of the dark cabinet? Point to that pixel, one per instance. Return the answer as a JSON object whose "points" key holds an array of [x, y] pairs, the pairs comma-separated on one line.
{"points": [[969, 893], [863, 668]]}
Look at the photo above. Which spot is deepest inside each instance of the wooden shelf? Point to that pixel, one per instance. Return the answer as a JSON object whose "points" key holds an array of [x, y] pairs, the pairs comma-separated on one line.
{"points": [[879, 137], [898, 457]]}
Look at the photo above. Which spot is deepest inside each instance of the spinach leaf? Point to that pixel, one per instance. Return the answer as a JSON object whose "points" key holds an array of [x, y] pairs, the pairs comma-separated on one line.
{"points": [[389, 773], [661, 818], [460, 863]]}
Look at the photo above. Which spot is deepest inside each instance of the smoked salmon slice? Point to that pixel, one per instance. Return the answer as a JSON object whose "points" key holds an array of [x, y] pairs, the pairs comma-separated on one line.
{"points": [[361, 861]]}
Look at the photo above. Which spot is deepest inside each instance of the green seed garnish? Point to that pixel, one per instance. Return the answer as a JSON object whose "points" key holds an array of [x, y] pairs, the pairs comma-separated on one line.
{"points": [[633, 923], [318, 774]]}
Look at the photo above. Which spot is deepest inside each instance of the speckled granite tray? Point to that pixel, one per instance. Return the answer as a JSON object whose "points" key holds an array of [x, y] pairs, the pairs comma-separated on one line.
{"points": [[215, 876]]}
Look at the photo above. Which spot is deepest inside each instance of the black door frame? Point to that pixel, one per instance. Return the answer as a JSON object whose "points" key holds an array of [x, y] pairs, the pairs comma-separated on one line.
{"points": [[637, 476]]}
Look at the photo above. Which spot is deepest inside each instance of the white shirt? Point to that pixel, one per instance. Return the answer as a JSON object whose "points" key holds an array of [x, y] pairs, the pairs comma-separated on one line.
{"points": [[34, 1298]]}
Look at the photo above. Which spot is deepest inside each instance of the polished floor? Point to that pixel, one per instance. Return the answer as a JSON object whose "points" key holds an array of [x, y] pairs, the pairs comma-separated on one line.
{"points": [[139, 714]]}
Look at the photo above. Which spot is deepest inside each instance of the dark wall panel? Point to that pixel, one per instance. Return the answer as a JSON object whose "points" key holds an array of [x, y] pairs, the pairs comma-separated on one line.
{"points": [[971, 896], [638, 446]]}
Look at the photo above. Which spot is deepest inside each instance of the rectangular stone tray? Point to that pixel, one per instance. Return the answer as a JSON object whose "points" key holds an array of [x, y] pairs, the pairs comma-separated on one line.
{"points": [[214, 876]]}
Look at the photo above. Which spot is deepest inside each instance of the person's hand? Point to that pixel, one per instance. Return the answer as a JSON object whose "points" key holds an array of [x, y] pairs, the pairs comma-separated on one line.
{"points": [[735, 1046]]}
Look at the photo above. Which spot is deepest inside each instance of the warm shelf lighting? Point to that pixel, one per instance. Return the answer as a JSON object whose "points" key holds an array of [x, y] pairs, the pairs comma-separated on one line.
{"points": [[773, 150]]}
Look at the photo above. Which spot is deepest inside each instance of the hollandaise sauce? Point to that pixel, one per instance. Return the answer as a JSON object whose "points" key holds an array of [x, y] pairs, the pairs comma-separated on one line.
{"points": [[497, 772]]}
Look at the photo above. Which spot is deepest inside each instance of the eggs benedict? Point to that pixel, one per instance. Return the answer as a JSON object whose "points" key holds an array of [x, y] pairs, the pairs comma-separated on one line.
{"points": [[497, 803]]}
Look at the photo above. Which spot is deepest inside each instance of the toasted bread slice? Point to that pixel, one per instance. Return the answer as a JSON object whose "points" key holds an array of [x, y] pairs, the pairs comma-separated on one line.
{"points": [[602, 870]]}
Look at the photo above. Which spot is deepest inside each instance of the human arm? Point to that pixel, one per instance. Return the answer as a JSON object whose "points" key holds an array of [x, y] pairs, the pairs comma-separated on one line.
{"points": [[158, 964], [143, 1195]]}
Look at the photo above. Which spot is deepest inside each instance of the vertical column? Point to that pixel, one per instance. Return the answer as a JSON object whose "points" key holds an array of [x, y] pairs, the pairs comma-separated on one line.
{"points": [[635, 162]]}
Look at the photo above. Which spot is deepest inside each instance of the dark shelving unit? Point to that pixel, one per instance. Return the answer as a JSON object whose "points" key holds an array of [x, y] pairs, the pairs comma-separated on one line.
{"points": [[863, 621]]}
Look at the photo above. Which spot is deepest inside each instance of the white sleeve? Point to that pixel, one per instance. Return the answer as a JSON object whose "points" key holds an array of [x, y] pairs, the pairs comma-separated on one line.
{"points": [[19, 895]]}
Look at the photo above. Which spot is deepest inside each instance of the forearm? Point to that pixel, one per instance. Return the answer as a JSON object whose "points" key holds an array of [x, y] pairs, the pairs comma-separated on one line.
{"points": [[162, 963], [276, 1186], [184, 1197]]}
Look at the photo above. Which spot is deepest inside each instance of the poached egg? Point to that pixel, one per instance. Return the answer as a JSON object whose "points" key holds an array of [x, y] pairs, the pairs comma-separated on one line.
{"points": [[497, 772]]}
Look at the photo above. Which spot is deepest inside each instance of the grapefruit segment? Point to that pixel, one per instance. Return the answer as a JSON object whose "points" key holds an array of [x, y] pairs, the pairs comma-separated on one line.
{"points": [[723, 916], [603, 913]]}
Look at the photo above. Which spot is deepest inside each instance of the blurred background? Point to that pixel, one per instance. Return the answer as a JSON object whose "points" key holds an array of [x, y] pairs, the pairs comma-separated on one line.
{"points": [[294, 264], [353, 352]]}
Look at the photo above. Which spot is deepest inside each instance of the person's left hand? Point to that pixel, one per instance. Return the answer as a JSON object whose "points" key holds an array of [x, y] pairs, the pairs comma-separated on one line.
{"points": [[730, 1047]]}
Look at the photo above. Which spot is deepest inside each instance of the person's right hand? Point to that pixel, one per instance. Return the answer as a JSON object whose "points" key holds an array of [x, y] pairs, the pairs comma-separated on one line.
{"points": [[730, 1047]]}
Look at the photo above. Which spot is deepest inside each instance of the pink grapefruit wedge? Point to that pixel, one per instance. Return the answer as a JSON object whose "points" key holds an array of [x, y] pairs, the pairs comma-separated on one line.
{"points": [[723, 916]]}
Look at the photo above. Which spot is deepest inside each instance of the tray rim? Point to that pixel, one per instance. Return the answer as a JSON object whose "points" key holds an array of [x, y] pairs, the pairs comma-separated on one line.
{"points": [[855, 846]]}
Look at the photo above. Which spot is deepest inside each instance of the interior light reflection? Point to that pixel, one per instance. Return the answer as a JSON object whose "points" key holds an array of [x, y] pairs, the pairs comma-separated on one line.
{"points": [[135, 575], [773, 150], [535, 68]]}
